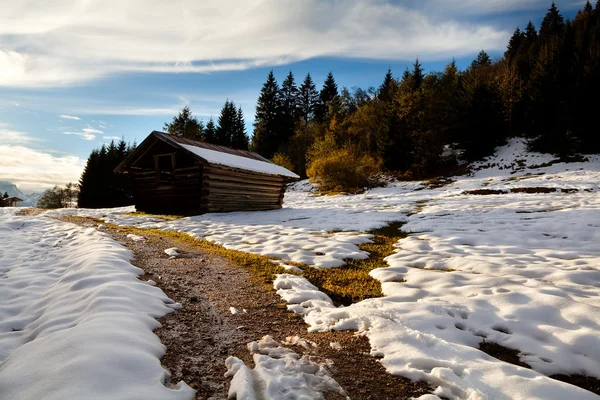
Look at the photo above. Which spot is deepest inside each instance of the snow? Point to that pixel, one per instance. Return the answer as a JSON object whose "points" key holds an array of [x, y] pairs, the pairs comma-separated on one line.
{"points": [[172, 252], [518, 269], [75, 321], [279, 373], [231, 160]]}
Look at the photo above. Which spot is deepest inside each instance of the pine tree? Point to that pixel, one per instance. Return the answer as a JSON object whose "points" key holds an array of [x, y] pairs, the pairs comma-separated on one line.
{"points": [[265, 139], [482, 60], [328, 94], [184, 124], [308, 98], [210, 131], [514, 45], [226, 124], [530, 33], [552, 24], [388, 87], [290, 103], [417, 75], [239, 139], [99, 186]]}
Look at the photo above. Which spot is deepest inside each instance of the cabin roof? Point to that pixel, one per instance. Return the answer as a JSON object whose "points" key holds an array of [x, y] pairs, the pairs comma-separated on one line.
{"points": [[215, 154], [13, 198]]}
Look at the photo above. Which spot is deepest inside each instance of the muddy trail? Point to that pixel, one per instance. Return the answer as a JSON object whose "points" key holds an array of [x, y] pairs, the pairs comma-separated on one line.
{"points": [[204, 332]]}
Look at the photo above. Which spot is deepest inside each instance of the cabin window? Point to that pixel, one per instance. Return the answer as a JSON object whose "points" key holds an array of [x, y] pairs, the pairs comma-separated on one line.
{"points": [[165, 166]]}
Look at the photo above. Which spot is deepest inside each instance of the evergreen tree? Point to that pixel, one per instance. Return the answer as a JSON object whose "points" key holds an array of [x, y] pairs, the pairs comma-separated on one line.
{"points": [[308, 97], [226, 124], [328, 94], [290, 104], [482, 60], [239, 139], [265, 139], [210, 132], [552, 24], [514, 44], [184, 124], [417, 75], [387, 90], [99, 186]]}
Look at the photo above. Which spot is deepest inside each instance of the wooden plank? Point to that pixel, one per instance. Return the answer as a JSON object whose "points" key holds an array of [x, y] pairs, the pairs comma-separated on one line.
{"points": [[239, 186], [249, 179], [237, 191], [241, 174], [243, 182]]}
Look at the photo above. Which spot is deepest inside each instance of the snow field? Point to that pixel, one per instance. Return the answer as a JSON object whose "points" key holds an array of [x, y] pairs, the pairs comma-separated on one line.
{"points": [[75, 322], [518, 269]]}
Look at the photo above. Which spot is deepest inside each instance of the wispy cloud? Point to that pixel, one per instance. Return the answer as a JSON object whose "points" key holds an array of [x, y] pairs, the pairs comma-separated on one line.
{"points": [[33, 170], [71, 117], [9, 136], [85, 133], [111, 137], [64, 42]]}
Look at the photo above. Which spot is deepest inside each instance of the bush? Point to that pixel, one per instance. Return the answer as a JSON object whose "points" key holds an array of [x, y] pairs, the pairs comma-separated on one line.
{"points": [[340, 170], [283, 161]]}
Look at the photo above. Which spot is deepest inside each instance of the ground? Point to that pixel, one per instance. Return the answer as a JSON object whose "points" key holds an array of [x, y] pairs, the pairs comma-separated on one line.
{"points": [[489, 292]]}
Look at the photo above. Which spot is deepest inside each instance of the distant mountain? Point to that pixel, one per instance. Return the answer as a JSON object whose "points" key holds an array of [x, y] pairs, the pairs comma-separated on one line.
{"points": [[30, 200]]}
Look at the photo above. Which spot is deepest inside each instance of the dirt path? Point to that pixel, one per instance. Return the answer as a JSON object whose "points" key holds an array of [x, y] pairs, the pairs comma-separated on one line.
{"points": [[201, 335]]}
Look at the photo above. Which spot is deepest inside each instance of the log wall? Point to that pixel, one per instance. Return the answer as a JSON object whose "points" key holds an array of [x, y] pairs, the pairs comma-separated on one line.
{"points": [[181, 197], [228, 189]]}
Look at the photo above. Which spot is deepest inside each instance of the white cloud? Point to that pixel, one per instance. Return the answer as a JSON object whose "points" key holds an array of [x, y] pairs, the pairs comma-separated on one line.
{"points": [[9, 136], [64, 42], [33, 170], [111, 137], [85, 133], [71, 117]]}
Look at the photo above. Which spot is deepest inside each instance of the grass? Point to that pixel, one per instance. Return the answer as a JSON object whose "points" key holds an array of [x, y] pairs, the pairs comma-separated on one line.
{"points": [[345, 285], [162, 216], [352, 283]]}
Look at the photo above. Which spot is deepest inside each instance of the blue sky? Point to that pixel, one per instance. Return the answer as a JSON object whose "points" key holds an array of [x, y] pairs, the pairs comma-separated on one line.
{"points": [[77, 73]]}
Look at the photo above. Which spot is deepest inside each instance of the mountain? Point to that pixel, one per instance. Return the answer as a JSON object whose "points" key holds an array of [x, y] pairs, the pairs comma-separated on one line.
{"points": [[12, 190]]}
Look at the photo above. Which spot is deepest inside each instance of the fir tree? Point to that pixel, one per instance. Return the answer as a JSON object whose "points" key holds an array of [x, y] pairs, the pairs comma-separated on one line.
{"points": [[552, 24], [226, 124], [239, 139], [308, 98], [328, 94], [417, 75], [482, 60], [210, 131], [514, 45], [184, 124], [265, 139], [290, 104], [388, 87]]}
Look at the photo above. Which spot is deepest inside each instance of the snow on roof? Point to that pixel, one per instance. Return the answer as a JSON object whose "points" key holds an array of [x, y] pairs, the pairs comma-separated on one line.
{"points": [[230, 160]]}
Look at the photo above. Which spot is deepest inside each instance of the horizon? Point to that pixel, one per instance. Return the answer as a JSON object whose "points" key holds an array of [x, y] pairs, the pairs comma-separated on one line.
{"points": [[77, 77]]}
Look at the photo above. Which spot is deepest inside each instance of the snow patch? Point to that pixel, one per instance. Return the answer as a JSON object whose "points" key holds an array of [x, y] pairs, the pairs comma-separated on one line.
{"points": [[279, 373]]}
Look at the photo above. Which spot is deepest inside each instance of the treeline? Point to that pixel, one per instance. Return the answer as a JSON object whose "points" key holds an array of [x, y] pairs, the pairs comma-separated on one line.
{"points": [[99, 186], [229, 131], [58, 197], [545, 88]]}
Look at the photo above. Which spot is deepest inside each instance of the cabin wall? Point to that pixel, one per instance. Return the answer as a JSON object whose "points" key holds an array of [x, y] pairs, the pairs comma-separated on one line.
{"points": [[178, 191], [226, 189]]}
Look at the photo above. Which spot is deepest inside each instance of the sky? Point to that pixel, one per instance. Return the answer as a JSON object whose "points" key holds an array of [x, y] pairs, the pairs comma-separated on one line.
{"points": [[80, 73]]}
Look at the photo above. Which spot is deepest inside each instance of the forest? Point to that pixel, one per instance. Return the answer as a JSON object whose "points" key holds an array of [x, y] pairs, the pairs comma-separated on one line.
{"points": [[414, 126]]}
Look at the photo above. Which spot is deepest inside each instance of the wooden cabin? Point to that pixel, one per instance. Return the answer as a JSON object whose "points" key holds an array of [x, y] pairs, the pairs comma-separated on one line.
{"points": [[172, 174], [12, 201]]}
